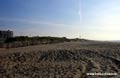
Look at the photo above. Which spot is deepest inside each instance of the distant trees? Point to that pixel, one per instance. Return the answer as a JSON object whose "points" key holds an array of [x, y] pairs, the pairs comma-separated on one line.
{"points": [[20, 41], [19, 38]]}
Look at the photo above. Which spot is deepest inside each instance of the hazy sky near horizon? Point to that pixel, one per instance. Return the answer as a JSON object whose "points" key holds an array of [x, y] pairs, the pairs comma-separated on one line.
{"points": [[91, 19]]}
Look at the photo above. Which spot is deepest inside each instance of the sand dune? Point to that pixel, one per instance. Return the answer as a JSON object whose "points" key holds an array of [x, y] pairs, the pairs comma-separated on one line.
{"points": [[61, 60]]}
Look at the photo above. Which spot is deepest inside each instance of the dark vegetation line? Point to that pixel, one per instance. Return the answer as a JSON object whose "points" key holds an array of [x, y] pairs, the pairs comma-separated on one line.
{"points": [[37, 38], [21, 41]]}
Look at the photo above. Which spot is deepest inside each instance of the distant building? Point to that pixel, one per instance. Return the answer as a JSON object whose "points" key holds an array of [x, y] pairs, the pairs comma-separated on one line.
{"points": [[5, 34]]}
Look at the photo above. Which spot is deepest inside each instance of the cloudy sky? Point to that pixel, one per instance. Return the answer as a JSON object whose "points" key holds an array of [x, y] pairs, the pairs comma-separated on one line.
{"points": [[91, 19]]}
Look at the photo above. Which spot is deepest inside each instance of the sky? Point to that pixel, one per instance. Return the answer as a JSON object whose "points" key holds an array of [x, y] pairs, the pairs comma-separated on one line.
{"points": [[89, 19]]}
